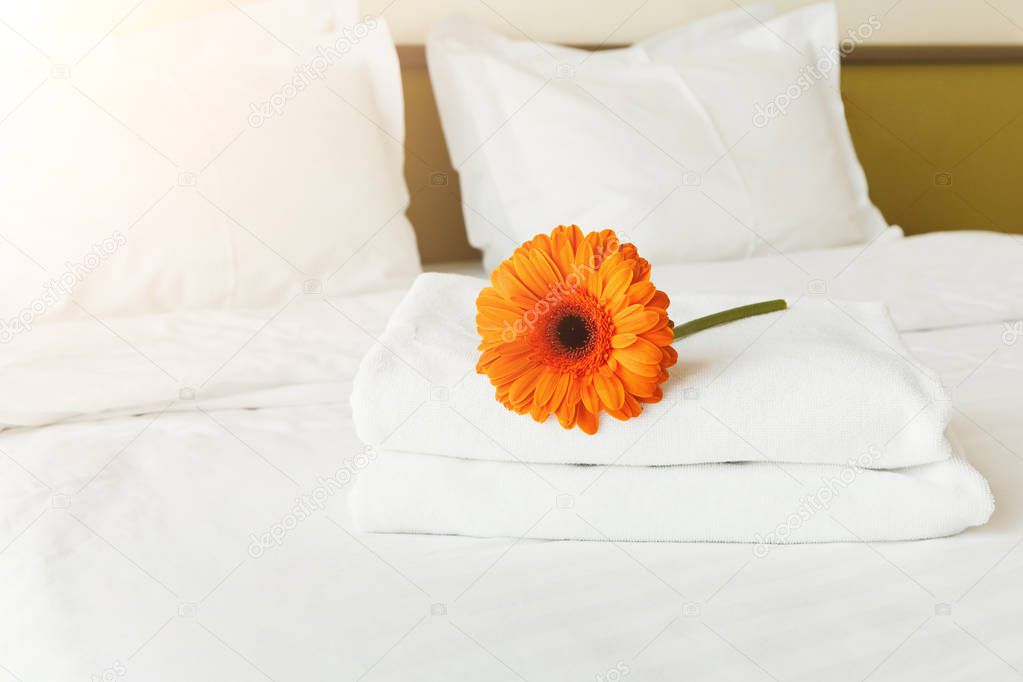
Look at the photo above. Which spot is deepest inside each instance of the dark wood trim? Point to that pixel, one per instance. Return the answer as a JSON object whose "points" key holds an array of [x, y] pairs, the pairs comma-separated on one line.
{"points": [[935, 54], [413, 57]]}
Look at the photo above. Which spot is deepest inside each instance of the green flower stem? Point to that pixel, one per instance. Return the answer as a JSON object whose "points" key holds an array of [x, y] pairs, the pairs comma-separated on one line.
{"points": [[730, 315]]}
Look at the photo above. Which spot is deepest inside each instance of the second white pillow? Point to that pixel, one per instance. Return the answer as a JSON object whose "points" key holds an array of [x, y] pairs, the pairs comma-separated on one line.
{"points": [[667, 141]]}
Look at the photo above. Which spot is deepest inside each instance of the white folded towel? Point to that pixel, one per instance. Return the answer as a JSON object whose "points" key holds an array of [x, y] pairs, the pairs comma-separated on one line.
{"points": [[819, 383], [754, 502]]}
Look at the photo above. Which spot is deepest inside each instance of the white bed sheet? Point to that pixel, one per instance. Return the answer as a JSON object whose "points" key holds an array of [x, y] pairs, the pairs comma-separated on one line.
{"points": [[126, 550]]}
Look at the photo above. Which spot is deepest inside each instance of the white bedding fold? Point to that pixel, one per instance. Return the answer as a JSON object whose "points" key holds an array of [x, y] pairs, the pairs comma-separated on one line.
{"points": [[92, 367], [302, 352], [928, 281], [753, 502], [820, 383]]}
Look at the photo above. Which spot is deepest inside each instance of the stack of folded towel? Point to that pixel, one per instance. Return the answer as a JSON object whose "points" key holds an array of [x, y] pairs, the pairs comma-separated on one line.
{"points": [[813, 424]]}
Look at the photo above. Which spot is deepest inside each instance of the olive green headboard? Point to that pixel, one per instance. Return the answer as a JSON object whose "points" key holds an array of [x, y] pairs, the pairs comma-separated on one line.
{"points": [[939, 131]]}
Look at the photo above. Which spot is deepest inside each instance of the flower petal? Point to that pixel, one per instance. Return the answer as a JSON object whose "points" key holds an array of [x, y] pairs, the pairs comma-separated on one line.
{"points": [[545, 386], [661, 336], [610, 390], [617, 284], [588, 395], [636, 384], [635, 365], [659, 300], [669, 357], [525, 385], [623, 340], [561, 390], [641, 292], [545, 268], [641, 351], [540, 412], [527, 274], [507, 283], [567, 414], [586, 420], [636, 319], [655, 398]]}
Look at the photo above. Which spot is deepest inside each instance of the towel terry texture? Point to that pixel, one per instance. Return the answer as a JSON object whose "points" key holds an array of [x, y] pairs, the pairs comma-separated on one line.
{"points": [[810, 425], [817, 384], [739, 502]]}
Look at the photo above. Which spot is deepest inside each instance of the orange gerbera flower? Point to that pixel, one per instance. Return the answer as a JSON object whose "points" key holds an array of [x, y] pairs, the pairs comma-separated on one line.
{"points": [[572, 326]]}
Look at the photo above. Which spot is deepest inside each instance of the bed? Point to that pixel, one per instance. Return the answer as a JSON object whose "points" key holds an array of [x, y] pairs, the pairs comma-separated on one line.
{"points": [[204, 534], [173, 484]]}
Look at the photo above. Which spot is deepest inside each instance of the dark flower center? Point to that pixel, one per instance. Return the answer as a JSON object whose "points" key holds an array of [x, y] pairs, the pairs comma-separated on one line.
{"points": [[573, 332], [575, 336]]}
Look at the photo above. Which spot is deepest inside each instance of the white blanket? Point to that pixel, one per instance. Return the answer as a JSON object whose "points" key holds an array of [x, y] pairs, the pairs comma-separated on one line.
{"points": [[757, 502], [299, 353], [928, 281], [125, 542], [820, 383]]}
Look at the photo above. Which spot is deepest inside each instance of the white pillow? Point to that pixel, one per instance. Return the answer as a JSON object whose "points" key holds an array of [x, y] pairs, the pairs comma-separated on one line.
{"points": [[153, 175], [660, 140]]}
